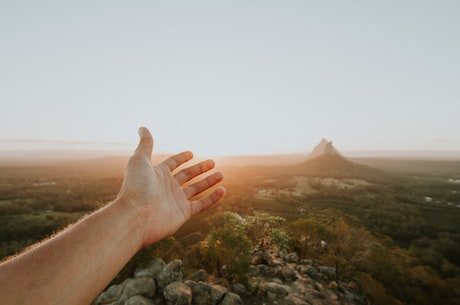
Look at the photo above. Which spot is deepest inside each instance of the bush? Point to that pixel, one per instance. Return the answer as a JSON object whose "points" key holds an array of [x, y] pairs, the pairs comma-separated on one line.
{"points": [[227, 249], [267, 230]]}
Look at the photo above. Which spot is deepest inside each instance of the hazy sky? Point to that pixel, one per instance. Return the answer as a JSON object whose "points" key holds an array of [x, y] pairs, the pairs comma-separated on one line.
{"points": [[232, 77]]}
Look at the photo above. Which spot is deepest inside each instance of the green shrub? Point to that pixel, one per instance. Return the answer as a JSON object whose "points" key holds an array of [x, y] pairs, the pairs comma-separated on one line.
{"points": [[226, 249]]}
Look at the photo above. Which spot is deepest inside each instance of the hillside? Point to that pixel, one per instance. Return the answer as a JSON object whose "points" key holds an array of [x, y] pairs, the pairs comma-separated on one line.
{"points": [[335, 166], [391, 226], [326, 161]]}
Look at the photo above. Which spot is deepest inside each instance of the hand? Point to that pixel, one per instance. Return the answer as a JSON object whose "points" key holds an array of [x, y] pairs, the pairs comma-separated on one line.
{"points": [[158, 197]]}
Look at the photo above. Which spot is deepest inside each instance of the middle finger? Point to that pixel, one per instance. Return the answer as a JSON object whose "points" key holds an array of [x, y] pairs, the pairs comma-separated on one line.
{"points": [[193, 171]]}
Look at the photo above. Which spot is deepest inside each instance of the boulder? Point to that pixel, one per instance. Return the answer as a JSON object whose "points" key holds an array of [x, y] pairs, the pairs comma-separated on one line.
{"points": [[190, 283], [119, 294], [198, 276], [296, 300], [153, 270], [172, 272], [253, 270], [231, 299], [206, 294], [178, 293], [274, 290], [333, 285], [308, 262], [302, 269], [312, 272], [262, 257], [293, 258], [267, 270], [276, 280], [284, 255], [144, 286], [111, 295], [288, 274], [253, 285], [139, 300], [327, 272], [238, 288]]}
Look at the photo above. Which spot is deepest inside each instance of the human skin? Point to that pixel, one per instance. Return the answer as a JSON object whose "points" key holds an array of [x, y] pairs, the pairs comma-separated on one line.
{"points": [[75, 265]]}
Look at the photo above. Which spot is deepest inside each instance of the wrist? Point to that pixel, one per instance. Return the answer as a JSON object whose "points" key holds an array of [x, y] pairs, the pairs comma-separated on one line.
{"points": [[129, 219]]}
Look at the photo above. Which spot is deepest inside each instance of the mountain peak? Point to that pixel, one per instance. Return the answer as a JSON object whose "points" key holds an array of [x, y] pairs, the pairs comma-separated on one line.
{"points": [[324, 147]]}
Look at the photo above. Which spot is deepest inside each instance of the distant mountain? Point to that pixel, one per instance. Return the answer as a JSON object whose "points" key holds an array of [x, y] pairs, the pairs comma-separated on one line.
{"points": [[324, 147], [326, 160]]}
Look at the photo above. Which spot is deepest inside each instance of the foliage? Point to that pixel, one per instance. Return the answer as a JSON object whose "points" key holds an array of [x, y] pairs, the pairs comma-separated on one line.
{"points": [[267, 230], [227, 249], [399, 247], [331, 238]]}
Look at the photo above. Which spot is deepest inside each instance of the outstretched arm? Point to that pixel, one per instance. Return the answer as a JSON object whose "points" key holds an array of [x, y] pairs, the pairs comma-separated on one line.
{"points": [[75, 265]]}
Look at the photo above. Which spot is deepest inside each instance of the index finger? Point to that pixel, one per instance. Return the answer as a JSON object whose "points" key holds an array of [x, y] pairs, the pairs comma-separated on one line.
{"points": [[175, 161]]}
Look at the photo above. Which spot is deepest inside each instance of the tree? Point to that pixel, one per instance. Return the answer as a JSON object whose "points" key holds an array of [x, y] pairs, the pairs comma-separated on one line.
{"points": [[331, 238], [227, 249], [266, 230]]}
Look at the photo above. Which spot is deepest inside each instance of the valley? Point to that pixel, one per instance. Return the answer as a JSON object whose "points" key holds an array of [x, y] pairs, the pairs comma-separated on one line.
{"points": [[399, 214]]}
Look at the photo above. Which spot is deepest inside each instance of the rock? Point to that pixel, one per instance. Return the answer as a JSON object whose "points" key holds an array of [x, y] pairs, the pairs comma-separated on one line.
{"points": [[178, 293], [253, 285], [302, 269], [139, 300], [296, 300], [238, 288], [288, 274], [312, 272], [284, 255], [267, 271], [318, 286], [292, 258], [271, 296], [308, 262], [277, 280], [198, 276], [269, 289], [328, 272], [352, 285], [153, 269], [261, 257], [119, 294], [144, 286], [159, 300], [221, 281], [253, 270], [172, 272], [333, 285], [110, 295], [319, 295], [190, 283], [231, 299], [206, 294]]}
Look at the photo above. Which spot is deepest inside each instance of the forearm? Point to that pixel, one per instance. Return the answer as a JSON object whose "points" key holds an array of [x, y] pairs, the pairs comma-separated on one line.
{"points": [[74, 266]]}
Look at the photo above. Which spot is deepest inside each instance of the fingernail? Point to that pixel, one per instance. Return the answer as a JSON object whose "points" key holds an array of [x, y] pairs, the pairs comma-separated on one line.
{"points": [[140, 131]]}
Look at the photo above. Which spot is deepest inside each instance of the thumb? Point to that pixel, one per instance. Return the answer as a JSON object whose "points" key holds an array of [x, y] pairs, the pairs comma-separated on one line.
{"points": [[145, 146]]}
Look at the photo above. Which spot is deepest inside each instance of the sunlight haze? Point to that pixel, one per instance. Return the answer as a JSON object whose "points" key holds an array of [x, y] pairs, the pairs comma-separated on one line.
{"points": [[236, 77]]}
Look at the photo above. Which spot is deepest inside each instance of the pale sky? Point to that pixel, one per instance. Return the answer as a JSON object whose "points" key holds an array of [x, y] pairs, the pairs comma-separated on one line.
{"points": [[232, 77]]}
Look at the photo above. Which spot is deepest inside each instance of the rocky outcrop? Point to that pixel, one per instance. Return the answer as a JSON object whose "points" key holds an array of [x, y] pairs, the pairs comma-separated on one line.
{"points": [[274, 278], [324, 147], [285, 280], [164, 284]]}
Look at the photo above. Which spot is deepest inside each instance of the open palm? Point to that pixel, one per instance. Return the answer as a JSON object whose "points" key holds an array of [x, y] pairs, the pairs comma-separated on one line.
{"points": [[160, 198]]}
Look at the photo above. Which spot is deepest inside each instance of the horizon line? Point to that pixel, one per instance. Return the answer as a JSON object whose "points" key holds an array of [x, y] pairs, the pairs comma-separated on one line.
{"points": [[39, 153]]}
